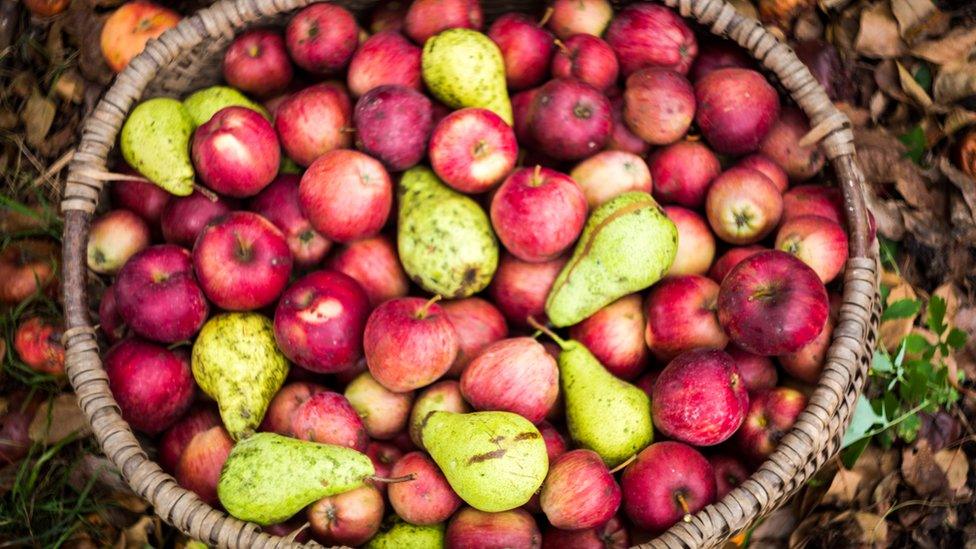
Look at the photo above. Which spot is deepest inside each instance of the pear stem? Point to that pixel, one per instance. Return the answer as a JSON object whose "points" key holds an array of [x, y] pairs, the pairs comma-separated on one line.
{"points": [[535, 324], [422, 313], [626, 462], [561, 47], [394, 480], [684, 507], [211, 196], [546, 16]]}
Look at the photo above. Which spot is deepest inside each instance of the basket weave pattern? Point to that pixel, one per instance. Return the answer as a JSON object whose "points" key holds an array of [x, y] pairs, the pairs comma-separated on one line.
{"points": [[188, 57]]}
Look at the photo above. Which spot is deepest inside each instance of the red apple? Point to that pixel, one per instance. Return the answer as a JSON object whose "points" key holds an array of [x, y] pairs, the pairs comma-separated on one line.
{"points": [[805, 200], [114, 237], [174, 441], [730, 259], [587, 58], [198, 469], [319, 321], [15, 425], [127, 30], [109, 318], [668, 481], [570, 119], [772, 303], [782, 145], [393, 124], [144, 198], [526, 49], [184, 217], [384, 413], [328, 418], [152, 385], [682, 173], [772, 414], [579, 491], [522, 114], [314, 121], [743, 206], [736, 109], [348, 519], [729, 473], [443, 396], [615, 336], [659, 105], [46, 8], [757, 372], [374, 264], [322, 38], [428, 498], [607, 174], [425, 18], [347, 195], [717, 53], [409, 343], [158, 296], [646, 381], [383, 455], [477, 324], [386, 58], [277, 418], [38, 345], [611, 535], [279, 204], [472, 150], [507, 529], [295, 529], [556, 444], [513, 375], [621, 138], [807, 362], [762, 163], [681, 315], [242, 261], [236, 152], [257, 62], [26, 267], [571, 17], [696, 245], [649, 35], [388, 15], [820, 242], [520, 288]]}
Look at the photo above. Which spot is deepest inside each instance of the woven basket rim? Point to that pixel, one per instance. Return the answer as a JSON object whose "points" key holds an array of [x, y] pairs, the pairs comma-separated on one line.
{"points": [[811, 441]]}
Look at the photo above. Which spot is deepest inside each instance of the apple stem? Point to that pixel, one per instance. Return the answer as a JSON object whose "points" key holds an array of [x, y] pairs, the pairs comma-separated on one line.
{"points": [[626, 462], [211, 196], [562, 47], [545, 16], [394, 480], [684, 507], [537, 176], [422, 313], [347, 130], [535, 324]]}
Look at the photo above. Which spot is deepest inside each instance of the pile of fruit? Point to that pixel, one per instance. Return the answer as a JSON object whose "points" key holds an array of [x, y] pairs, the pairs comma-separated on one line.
{"points": [[298, 353]]}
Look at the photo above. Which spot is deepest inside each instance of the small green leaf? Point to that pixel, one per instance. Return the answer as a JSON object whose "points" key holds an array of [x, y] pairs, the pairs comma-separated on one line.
{"points": [[881, 363], [923, 75], [956, 338], [885, 292], [916, 344], [863, 420], [907, 430], [889, 251], [936, 314], [849, 455], [915, 142], [903, 308]]}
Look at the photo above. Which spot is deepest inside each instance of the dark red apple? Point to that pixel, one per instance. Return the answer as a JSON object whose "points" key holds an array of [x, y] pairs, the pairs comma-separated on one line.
{"points": [[716, 53], [772, 303], [109, 318], [579, 491], [472, 150], [348, 519], [736, 109], [696, 245], [819, 200], [507, 529], [198, 469], [388, 15], [607, 174], [519, 288], [478, 324], [374, 264], [522, 114], [328, 418], [667, 481], [730, 259], [659, 105], [681, 315], [144, 198], [184, 217], [526, 49], [443, 396], [807, 363], [743, 206], [556, 444], [682, 173], [257, 62], [15, 425], [570, 119], [384, 413], [314, 121], [615, 336], [158, 296], [152, 385], [646, 381], [767, 167], [279, 204], [570, 17], [383, 455], [772, 414], [757, 372], [611, 535], [322, 38], [425, 18], [113, 238], [174, 441], [587, 58], [236, 152], [386, 58], [729, 473], [621, 138], [513, 375], [650, 35], [782, 145], [393, 124], [428, 498], [820, 242], [277, 419]]}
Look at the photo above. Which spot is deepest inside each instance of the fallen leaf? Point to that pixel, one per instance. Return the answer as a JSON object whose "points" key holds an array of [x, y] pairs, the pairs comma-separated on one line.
{"points": [[878, 36], [958, 119], [843, 488], [57, 419], [874, 529], [920, 471], [912, 89], [962, 181], [138, 535], [887, 78], [892, 331], [954, 82], [37, 116], [953, 46], [774, 530], [918, 18]]}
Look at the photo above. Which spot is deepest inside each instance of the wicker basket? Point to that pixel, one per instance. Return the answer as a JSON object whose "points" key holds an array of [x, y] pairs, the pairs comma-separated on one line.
{"points": [[188, 57]]}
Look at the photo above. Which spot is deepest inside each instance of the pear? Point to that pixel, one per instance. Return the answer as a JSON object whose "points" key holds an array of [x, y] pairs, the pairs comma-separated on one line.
{"points": [[495, 461], [395, 533], [155, 140], [464, 68], [268, 477], [628, 243], [236, 362], [603, 412], [202, 105], [445, 239]]}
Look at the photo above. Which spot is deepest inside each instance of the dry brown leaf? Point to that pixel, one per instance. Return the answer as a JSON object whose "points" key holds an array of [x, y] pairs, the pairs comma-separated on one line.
{"points": [[882, 158], [887, 78], [774, 530], [953, 46], [918, 18], [954, 82], [843, 488], [874, 529], [138, 535], [949, 292], [962, 181], [37, 116], [955, 465], [58, 418], [878, 36], [920, 471], [911, 88], [892, 331], [958, 119]]}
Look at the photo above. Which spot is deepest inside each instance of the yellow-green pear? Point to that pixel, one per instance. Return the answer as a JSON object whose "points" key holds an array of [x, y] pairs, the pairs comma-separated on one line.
{"points": [[267, 477], [464, 68], [236, 362], [495, 461], [395, 533], [445, 240], [628, 243], [202, 105], [155, 140]]}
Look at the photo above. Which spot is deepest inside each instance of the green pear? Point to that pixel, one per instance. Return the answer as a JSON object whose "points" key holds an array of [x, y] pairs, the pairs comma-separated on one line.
{"points": [[155, 140], [202, 105], [395, 533], [464, 68], [495, 461], [628, 244], [268, 477], [236, 362], [445, 239]]}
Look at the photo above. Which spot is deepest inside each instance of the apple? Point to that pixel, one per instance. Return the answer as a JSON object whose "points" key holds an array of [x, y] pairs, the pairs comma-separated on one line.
{"points": [[386, 58], [782, 145], [242, 262], [174, 441], [519, 288], [384, 413], [681, 315], [158, 296], [757, 372], [114, 237], [736, 109], [347, 519], [127, 30], [570, 17], [199, 466], [696, 245], [472, 150], [393, 124], [184, 217], [767, 167], [322, 38], [153, 386], [46, 8], [772, 303], [409, 343], [526, 49], [277, 418], [383, 455], [556, 444], [388, 15], [109, 318], [807, 362], [646, 381], [587, 58], [615, 336], [717, 53], [428, 498], [513, 375], [328, 418], [279, 204], [729, 473], [425, 18], [144, 198], [607, 174], [314, 121], [772, 414], [610, 535], [648, 35], [570, 119], [820, 242], [15, 425], [818, 200], [579, 491], [621, 138], [257, 62], [443, 396], [659, 105], [295, 529], [319, 319], [236, 152], [38, 345], [668, 480], [682, 173], [26, 267], [507, 529], [730, 259], [522, 113], [346, 195], [477, 324], [373, 263], [743, 206]]}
